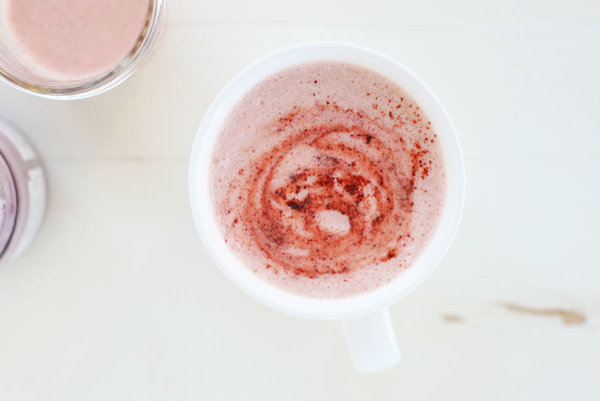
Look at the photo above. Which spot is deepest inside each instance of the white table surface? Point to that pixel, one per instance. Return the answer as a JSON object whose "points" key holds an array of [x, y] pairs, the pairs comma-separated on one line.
{"points": [[118, 300]]}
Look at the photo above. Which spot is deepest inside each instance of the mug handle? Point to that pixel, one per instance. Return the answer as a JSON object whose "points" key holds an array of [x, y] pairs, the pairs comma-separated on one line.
{"points": [[371, 341]]}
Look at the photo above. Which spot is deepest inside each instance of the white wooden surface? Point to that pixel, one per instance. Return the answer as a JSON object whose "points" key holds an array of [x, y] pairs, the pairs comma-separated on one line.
{"points": [[117, 299]]}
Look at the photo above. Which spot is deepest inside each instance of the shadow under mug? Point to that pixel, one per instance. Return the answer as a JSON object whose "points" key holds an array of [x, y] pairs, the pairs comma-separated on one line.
{"points": [[364, 317]]}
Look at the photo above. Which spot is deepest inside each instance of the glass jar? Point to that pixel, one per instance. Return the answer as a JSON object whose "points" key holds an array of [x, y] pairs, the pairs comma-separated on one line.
{"points": [[22, 193], [20, 73]]}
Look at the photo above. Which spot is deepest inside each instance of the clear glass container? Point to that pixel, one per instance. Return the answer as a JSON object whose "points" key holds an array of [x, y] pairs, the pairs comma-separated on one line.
{"points": [[17, 73], [22, 193]]}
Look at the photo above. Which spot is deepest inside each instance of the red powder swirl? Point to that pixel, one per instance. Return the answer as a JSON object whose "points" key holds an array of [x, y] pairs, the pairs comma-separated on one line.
{"points": [[332, 159]]}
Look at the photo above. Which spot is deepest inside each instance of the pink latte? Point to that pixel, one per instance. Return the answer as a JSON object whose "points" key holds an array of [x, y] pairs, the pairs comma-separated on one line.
{"points": [[328, 180], [74, 39]]}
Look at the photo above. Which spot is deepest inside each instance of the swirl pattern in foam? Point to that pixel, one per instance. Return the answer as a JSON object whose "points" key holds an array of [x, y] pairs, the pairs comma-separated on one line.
{"points": [[327, 179]]}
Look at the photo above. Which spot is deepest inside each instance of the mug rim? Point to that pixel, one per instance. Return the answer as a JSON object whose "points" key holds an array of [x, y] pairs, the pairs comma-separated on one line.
{"points": [[205, 217]]}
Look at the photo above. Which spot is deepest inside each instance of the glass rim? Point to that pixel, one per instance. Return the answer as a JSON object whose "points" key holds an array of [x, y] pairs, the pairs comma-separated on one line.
{"points": [[119, 73], [8, 197]]}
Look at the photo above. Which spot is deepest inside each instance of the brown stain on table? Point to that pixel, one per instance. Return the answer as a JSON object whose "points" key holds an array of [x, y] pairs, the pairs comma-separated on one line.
{"points": [[451, 318], [568, 317]]}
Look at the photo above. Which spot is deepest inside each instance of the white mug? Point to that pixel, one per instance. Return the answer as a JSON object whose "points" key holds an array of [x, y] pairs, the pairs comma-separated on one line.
{"points": [[364, 317]]}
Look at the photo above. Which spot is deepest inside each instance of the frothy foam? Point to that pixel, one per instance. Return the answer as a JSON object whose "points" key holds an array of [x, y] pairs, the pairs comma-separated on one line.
{"points": [[72, 39], [327, 179]]}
